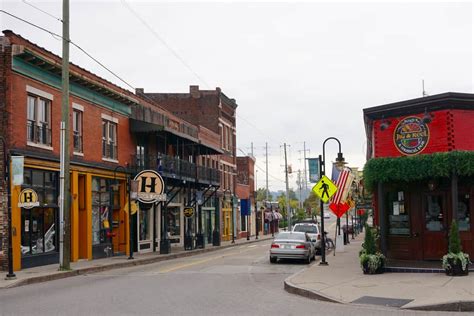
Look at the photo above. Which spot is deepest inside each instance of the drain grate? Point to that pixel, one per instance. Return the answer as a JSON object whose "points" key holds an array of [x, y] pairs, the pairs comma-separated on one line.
{"points": [[383, 301]]}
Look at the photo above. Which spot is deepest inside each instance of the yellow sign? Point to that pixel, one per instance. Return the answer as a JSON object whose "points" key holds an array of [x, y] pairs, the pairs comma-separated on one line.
{"points": [[28, 199], [325, 189], [133, 206], [188, 211]]}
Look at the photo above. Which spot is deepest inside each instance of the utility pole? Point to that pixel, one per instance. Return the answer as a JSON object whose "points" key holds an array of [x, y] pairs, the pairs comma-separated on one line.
{"points": [[65, 181], [299, 188], [305, 177], [266, 169], [287, 193], [251, 149]]}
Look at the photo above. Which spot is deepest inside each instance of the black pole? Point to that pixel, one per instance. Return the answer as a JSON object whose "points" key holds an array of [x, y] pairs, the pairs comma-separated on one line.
{"points": [[347, 228], [233, 218], [129, 188], [6, 161], [321, 204]]}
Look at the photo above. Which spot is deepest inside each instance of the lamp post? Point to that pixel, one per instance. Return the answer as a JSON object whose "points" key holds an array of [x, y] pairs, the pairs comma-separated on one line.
{"points": [[322, 169], [6, 174], [132, 185]]}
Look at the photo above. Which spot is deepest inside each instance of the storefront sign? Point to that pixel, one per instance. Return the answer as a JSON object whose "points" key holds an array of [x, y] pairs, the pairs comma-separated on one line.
{"points": [[150, 187], [411, 136], [188, 211], [28, 199]]}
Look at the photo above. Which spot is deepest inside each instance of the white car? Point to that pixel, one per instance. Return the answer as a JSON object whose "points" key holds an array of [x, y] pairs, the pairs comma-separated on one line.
{"points": [[327, 216]]}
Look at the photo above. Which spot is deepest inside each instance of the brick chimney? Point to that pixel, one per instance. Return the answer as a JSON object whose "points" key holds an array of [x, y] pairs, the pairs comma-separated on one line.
{"points": [[194, 91]]}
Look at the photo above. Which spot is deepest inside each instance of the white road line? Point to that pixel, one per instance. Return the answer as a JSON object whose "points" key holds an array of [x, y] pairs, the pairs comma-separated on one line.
{"points": [[251, 246]]}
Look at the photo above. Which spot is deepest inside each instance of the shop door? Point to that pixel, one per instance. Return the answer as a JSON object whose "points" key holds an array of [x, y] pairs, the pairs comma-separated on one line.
{"points": [[435, 228]]}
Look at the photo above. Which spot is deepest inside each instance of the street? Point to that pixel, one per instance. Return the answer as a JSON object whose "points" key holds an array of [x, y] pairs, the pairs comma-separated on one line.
{"points": [[233, 281]]}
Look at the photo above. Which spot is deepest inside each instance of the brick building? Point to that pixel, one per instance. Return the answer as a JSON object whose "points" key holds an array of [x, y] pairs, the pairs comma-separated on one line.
{"points": [[114, 135], [420, 167], [213, 110]]}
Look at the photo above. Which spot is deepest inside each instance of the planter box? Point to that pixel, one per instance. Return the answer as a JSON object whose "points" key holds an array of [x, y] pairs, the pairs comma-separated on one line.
{"points": [[456, 268]]}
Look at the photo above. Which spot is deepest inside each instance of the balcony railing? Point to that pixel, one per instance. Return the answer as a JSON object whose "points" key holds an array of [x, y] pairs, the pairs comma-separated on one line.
{"points": [[38, 134], [172, 167]]}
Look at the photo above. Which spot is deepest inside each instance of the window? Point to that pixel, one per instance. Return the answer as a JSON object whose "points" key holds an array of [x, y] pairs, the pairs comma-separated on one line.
{"points": [[464, 212], [141, 157], [109, 139], [77, 130], [398, 216], [434, 213], [38, 120]]}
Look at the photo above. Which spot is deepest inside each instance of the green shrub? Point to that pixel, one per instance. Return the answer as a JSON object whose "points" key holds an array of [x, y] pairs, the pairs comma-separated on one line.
{"points": [[454, 240]]}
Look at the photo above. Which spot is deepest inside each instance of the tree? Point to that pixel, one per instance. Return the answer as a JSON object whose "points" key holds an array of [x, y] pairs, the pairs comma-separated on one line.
{"points": [[313, 203], [262, 195]]}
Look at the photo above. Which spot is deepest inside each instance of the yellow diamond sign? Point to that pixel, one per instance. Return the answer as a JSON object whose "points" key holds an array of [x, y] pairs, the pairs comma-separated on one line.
{"points": [[325, 188]]}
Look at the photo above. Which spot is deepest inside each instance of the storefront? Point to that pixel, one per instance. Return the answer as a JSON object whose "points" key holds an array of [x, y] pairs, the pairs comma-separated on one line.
{"points": [[420, 170], [39, 237]]}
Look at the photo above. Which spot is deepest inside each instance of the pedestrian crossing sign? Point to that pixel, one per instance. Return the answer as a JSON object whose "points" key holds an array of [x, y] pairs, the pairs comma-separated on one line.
{"points": [[325, 189]]}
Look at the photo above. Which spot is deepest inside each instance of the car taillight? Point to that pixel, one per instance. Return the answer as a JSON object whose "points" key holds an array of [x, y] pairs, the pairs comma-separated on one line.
{"points": [[319, 236], [301, 246], [275, 246]]}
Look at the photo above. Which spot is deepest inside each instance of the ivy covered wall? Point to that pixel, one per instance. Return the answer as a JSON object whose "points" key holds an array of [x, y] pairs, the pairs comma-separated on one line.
{"points": [[419, 167]]}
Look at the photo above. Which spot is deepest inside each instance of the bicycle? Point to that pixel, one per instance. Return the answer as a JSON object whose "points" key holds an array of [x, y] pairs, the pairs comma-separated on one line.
{"points": [[328, 242]]}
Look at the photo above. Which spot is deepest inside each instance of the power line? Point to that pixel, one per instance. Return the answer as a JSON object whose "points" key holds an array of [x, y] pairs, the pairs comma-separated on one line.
{"points": [[47, 13], [159, 38], [72, 43]]}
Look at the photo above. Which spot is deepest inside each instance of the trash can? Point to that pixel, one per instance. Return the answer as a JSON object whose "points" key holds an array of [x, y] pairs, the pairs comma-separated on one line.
{"points": [[199, 241], [216, 238], [188, 242], [165, 246]]}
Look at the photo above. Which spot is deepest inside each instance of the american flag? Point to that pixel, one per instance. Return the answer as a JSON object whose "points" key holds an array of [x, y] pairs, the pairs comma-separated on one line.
{"points": [[343, 180]]}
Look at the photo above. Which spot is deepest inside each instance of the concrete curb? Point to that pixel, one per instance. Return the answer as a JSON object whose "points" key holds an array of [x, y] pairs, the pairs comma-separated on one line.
{"points": [[290, 287], [125, 264], [455, 306]]}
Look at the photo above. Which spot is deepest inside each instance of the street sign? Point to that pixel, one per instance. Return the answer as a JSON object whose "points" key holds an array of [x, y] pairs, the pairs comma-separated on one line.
{"points": [[28, 199], [150, 187], [339, 209], [325, 188], [188, 211]]}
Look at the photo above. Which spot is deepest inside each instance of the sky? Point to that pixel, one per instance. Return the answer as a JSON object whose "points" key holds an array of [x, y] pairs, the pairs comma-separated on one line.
{"points": [[300, 71]]}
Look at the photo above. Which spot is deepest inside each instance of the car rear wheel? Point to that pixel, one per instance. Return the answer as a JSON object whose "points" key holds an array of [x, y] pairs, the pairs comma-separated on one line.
{"points": [[273, 259]]}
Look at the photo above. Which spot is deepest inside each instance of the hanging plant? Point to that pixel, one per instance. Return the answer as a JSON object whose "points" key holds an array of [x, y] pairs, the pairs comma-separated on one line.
{"points": [[419, 167]]}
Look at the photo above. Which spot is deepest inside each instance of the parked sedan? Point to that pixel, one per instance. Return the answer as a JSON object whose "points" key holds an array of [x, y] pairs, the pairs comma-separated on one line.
{"points": [[292, 245]]}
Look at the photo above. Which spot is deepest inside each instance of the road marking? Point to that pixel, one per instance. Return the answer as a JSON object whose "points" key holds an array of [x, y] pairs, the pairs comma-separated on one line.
{"points": [[251, 246]]}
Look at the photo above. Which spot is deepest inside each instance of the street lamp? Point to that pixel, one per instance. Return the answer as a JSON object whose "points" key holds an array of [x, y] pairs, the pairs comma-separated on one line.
{"points": [[6, 174], [132, 189], [322, 169]]}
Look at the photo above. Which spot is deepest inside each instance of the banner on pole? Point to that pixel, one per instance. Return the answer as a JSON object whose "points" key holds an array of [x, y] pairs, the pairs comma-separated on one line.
{"points": [[18, 163], [313, 165]]}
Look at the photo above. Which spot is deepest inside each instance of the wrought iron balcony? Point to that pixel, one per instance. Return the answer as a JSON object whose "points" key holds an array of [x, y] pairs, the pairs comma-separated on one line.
{"points": [[175, 168]]}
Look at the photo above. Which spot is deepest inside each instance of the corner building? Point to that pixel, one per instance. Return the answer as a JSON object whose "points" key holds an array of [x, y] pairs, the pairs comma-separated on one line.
{"points": [[420, 169], [30, 101]]}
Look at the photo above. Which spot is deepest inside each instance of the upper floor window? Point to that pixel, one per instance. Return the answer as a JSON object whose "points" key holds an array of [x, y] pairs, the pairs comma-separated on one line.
{"points": [[77, 129], [109, 139], [38, 120]]}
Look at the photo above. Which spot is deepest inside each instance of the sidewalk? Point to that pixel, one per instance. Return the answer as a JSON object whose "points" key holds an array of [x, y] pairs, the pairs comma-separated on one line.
{"points": [[50, 272], [342, 281]]}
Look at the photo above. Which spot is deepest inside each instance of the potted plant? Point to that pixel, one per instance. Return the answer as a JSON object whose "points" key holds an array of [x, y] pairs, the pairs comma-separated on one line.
{"points": [[371, 259], [455, 262]]}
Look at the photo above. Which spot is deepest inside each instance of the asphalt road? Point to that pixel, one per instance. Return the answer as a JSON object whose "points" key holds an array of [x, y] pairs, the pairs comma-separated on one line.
{"points": [[233, 281]]}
